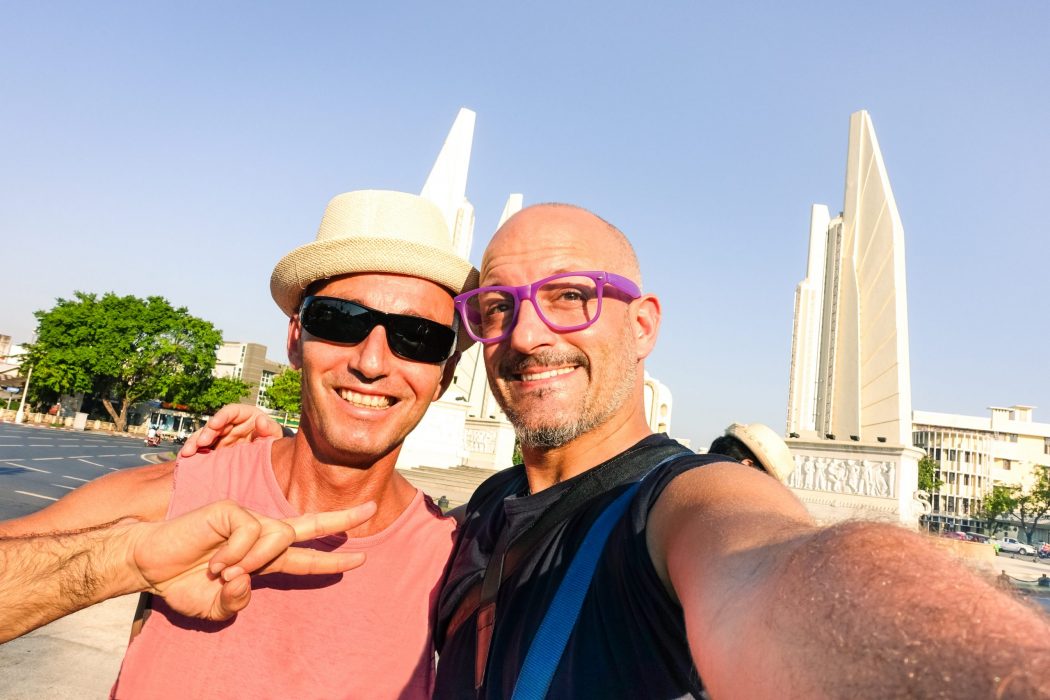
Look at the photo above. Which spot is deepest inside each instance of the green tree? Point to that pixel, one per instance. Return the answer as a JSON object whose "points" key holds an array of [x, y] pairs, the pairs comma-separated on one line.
{"points": [[123, 349], [211, 394], [1032, 505], [928, 479], [285, 392], [996, 504]]}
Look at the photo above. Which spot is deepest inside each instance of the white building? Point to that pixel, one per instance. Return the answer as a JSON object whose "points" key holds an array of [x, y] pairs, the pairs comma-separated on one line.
{"points": [[976, 453], [248, 362]]}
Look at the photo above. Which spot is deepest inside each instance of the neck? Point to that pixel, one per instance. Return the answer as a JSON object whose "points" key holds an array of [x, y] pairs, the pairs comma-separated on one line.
{"points": [[312, 485], [545, 467]]}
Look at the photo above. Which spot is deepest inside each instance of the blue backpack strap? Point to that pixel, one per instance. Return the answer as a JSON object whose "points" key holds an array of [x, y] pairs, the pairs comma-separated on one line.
{"points": [[548, 645]]}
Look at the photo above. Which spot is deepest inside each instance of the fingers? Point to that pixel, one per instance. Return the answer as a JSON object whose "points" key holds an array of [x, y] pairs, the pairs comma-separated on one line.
{"points": [[266, 427], [314, 525], [310, 562], [257, 544], [232, 424]]}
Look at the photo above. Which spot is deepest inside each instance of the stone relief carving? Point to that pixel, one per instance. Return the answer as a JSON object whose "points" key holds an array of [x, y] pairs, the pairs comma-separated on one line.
{"points": [[483, 441], [863, 477]]}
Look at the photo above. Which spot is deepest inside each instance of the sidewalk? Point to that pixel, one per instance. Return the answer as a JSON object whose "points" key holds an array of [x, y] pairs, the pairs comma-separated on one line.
{"points": [[75, 657], [79, 656]]}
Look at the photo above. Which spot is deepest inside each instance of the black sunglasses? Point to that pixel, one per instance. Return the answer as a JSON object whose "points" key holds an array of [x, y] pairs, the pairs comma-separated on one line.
{"points": [[343, 321]]}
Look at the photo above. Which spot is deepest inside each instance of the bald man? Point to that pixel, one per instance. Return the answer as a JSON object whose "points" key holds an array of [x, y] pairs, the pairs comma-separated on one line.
{"points": [[714, 577]]}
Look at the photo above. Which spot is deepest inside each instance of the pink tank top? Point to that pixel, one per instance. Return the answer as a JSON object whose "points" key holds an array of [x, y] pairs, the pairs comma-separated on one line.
{"points": [[363, 634]]}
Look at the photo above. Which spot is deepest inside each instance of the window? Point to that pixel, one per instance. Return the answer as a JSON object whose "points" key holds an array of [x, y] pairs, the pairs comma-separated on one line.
{"points": [[1046, 445]]}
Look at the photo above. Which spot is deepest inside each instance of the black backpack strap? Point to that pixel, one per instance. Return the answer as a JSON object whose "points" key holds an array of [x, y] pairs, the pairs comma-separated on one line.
{"points": [[507, 555]]}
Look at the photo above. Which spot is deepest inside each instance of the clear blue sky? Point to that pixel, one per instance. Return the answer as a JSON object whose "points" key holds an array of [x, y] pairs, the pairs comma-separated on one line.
{"points": [[180, 151]]}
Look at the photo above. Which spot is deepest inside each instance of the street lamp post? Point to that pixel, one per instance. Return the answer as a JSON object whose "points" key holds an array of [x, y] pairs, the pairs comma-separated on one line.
{"points": [[20, 415]]}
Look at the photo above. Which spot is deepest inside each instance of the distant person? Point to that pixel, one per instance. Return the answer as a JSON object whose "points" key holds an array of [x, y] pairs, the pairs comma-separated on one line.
{"points": [[755, 445]]}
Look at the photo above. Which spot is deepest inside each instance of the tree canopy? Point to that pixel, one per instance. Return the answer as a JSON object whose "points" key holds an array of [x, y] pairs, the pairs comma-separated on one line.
{"points": [[1032, 504], [1028, 506], [211, 394], [123, 349], [928, 481], [996, 504], [284, 394]]}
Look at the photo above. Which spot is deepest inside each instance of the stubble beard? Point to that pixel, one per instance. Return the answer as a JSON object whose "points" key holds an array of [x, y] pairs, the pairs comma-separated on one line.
{"points": [[550, 432]]}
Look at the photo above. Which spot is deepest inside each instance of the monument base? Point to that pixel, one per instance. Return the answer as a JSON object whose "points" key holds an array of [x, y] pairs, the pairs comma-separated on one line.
{"points": [[846, 480]]}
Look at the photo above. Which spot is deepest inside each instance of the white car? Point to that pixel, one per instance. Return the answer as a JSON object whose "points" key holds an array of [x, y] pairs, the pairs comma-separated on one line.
{"points": [[1009, 544]]}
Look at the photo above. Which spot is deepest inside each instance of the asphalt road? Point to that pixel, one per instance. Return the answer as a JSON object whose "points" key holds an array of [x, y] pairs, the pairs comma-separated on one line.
{"points": [[40, 465]]}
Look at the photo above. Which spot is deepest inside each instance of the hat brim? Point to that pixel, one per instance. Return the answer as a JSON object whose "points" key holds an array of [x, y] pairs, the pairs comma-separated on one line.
{"points": [[771, 449], [325, 259]]}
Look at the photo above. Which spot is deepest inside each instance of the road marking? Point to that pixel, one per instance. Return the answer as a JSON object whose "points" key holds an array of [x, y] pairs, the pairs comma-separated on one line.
{"points": [[68, 488], [36, 495], [44, 445], [46, 459], [12, 444], [107, 455], [126, 454], [94, 464], [113, 469], [78, 456], [32, 469], [75, 478]]}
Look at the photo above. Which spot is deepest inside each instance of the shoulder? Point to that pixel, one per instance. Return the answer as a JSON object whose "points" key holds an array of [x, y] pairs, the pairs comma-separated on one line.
{"points": [[492, 491], [240, 472]]}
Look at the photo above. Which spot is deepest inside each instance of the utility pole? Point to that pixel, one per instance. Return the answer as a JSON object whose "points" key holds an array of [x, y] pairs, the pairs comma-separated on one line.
{"points": [[20, 415]]}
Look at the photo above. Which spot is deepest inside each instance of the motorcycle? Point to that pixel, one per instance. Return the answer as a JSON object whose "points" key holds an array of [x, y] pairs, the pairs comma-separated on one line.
{"points": [[180, 439], [152, 441]]}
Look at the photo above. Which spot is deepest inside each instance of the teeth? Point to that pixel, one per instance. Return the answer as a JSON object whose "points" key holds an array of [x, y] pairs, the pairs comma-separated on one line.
{"points": [[366, 400], [546, 375]]}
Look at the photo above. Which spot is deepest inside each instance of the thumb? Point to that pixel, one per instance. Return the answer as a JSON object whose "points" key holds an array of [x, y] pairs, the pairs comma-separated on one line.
{"points": [[235, 596]]}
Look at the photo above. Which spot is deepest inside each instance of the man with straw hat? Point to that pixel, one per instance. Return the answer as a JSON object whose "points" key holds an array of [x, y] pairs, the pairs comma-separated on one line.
{"points": [[372, 327]]}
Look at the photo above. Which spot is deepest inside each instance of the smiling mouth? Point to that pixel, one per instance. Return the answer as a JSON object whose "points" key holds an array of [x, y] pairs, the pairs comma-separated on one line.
{"points": [[532, 377], [366, 400]]}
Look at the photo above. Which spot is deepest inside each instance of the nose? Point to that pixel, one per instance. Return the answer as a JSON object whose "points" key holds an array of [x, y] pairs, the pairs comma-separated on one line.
{"points": [[529, 330], [373, 354]]}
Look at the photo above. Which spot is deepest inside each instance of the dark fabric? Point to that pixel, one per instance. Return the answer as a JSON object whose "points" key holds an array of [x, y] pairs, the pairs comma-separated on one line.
{"points": [[630, 639]]}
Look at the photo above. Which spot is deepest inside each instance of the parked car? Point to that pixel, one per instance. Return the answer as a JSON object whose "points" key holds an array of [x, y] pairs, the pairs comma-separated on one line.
{"points": [[1009, 544], [975, 537], [955, 535]]}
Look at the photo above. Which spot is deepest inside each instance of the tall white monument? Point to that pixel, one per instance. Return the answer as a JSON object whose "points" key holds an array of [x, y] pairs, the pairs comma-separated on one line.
{"points": [[849, 401]]}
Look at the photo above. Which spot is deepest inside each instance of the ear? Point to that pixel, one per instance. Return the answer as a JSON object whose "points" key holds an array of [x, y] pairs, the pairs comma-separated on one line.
{"points": [[646, 320], [294, 344], [447, 374]]}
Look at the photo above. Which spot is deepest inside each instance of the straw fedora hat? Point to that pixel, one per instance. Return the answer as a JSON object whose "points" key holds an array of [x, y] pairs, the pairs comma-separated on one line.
{"points": [[769, 447], [375, 231]]}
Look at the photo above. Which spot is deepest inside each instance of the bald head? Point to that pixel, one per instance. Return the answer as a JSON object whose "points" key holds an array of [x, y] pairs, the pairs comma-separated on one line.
{"points": [[560, 232]]}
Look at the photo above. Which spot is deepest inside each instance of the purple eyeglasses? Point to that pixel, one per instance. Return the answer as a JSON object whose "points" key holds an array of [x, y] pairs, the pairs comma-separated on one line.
{"points": [[570, 301]]}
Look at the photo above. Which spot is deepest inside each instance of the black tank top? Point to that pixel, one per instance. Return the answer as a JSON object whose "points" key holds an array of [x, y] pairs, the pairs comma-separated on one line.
{"points": [[629, 641]]}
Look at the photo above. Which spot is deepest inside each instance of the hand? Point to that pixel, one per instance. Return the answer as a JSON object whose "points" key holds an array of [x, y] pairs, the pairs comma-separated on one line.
{"points": [[201, 562], [233, 424]]}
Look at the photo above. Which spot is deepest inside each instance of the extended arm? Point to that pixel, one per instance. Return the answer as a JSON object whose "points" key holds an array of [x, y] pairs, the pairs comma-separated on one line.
{"points": [[200, 562], [776, 607]]}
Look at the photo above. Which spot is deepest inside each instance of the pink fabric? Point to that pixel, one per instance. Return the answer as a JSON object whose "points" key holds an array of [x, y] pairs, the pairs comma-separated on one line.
{"points": [[364, 634]]}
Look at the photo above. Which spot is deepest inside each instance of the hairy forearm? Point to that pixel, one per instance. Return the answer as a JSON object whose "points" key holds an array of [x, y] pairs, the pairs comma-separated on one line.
{"points": [[43, 577], [871, 610]]}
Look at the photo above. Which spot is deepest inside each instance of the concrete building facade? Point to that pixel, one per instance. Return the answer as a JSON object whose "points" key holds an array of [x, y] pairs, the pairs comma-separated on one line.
{"points": [[248, 362], [976, 453]]}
